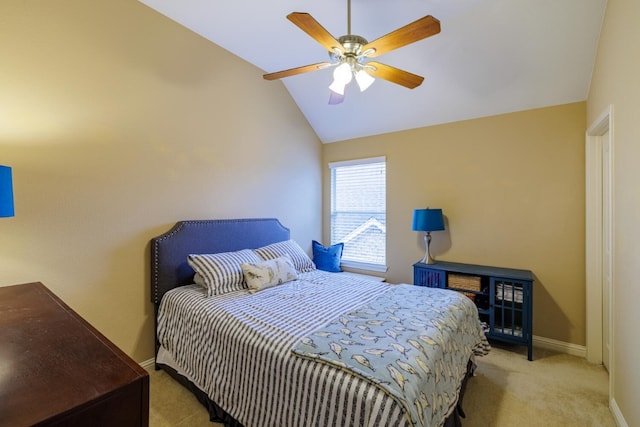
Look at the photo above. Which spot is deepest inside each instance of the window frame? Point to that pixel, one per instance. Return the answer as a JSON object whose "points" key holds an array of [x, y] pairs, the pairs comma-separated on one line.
{"points": [[359, 265]]}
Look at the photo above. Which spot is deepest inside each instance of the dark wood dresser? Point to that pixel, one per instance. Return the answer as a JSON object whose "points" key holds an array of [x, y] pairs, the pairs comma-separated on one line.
{"points": [[56, 369]]}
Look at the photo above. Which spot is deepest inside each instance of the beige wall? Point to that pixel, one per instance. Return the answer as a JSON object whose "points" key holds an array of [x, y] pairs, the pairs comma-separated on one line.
{"points": [[615, 82], [511, 188], [118, 123]]}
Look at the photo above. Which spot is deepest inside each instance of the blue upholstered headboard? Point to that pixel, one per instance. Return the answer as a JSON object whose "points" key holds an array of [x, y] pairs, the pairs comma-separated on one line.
{"points": [[169, 268]]}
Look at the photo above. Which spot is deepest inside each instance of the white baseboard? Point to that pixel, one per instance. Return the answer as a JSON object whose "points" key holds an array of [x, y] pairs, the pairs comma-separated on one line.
{"points": [[579, 351], [148, 364], [617, 415], [560, 346]]}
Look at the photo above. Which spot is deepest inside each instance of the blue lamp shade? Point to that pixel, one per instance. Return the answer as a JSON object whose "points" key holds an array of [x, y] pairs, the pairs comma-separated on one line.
{"points": [[6, 192], [428, 220]]}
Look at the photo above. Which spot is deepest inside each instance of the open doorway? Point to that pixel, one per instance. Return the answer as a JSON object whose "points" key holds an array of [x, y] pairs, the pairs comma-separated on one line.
{"points": [[599, 239]]}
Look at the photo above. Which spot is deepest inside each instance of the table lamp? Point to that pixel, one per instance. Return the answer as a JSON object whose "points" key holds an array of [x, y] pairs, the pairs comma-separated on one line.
{"points": [[6, 192], [427, 220]]}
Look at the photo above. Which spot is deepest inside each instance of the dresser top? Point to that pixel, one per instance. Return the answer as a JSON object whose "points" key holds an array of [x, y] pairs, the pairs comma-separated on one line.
{"points": [[51, 360], [481, 270]]}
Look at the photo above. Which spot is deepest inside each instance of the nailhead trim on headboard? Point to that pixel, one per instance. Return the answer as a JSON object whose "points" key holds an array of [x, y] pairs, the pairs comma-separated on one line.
{"points": [[169, 250]]}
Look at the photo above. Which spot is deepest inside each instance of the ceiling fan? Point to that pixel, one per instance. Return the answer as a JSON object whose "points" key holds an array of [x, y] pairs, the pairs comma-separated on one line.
{"points": [[350, 54]]}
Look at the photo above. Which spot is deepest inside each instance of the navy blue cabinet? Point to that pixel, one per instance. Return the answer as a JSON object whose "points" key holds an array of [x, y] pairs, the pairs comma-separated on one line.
{"points": [[503, 296]]}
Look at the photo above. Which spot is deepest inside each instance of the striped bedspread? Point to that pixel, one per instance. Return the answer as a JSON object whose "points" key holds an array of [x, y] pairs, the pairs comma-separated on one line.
{"points": [[237, 348], [414, 346]]}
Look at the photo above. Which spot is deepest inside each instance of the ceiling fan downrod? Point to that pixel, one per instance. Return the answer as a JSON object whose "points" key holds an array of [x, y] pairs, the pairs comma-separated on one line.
{"points": [[351, 43], [349, 17]]}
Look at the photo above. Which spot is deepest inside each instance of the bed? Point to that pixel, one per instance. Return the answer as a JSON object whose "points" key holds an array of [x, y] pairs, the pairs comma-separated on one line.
{"points": [[317, 348]]}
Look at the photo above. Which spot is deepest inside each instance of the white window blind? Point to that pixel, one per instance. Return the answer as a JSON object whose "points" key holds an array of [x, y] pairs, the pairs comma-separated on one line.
{"points": [[358, 212]]}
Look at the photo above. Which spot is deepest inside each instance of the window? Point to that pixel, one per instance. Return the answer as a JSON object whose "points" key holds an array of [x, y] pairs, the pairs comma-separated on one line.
{"points": [[358, 212]]}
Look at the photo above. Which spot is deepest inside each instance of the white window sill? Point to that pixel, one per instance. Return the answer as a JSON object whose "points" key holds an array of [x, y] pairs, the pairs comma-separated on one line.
{"points": [[374, 268]]}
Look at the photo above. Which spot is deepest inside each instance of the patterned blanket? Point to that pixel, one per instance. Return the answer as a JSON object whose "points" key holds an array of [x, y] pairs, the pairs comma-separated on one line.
{"points": [[413, 342]]}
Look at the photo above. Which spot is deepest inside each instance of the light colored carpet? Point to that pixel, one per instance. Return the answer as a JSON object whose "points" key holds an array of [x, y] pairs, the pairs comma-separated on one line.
{"points": [[552, 390]]}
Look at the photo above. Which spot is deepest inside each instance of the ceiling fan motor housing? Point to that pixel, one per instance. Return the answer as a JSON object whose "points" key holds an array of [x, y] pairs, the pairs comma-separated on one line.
{"points": [[352, 44]]}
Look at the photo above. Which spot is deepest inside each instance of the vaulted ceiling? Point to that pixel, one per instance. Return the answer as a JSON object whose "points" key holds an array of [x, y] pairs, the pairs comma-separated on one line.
{"points": [[491, 56]]}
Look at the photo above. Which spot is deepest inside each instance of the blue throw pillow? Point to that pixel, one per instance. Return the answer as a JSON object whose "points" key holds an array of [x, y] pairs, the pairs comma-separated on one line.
{"points": [[327, 258]]}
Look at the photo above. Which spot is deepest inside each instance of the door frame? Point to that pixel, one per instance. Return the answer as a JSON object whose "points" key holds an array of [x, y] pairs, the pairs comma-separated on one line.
{"points": [[594, 238]]}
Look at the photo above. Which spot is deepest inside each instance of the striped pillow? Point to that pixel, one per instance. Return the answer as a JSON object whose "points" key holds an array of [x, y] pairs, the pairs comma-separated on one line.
{"points": [[301, 260], [222, 272]]}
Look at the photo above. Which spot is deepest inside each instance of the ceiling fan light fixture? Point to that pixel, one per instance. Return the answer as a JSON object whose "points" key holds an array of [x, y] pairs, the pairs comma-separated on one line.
{"points": [[337, 87], [343, 74], [364, 80]]}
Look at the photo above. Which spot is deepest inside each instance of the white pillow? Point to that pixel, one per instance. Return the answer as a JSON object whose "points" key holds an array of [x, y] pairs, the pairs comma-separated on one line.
{"points": [[301, 260], [222, 272], [199, 280], [265, 274]]}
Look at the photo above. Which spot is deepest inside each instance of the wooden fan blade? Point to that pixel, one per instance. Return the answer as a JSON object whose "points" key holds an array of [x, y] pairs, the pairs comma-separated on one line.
{"points": [[309, 25], [394, 75], [417, 30], [297, 70]]}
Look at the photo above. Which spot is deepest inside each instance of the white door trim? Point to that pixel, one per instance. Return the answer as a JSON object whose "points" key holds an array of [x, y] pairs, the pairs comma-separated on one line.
{"points": [[594, 238]]}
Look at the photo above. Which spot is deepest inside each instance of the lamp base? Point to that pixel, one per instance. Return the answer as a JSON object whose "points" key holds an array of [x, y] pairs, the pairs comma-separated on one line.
{"points": [[427, 256]]}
